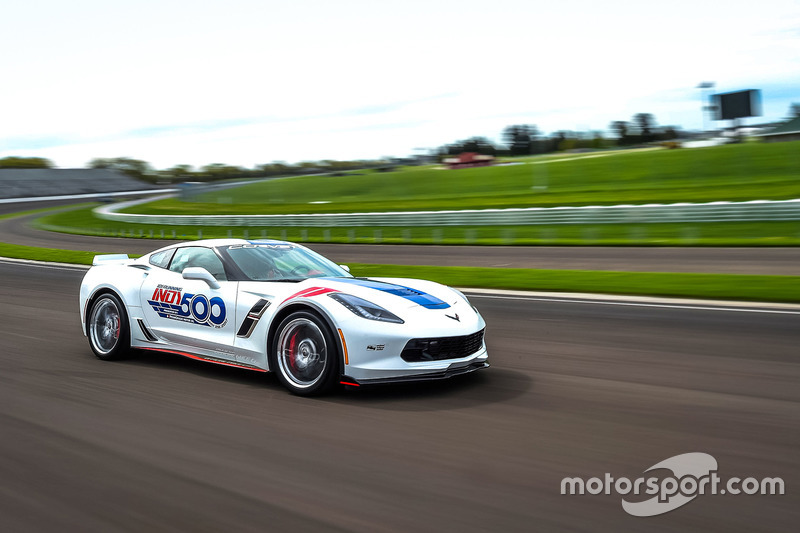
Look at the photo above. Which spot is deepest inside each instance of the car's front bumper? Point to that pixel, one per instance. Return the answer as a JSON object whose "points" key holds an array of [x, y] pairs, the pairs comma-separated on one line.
{"points": [[445, 374], [402, 371]]}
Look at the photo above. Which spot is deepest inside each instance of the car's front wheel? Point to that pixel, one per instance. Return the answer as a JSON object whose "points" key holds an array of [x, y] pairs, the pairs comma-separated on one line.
{"points": [[107, 328], [304, 355]]}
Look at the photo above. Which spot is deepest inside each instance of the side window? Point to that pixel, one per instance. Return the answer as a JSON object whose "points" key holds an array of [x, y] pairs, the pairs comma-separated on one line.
{"points": [[196, 256], [161, 259]]}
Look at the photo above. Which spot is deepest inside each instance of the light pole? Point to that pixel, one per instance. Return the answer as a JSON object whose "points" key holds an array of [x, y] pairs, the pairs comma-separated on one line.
{"points": [[703, 86]]}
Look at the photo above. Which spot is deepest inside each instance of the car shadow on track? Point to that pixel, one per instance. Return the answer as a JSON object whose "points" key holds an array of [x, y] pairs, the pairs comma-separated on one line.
{"points": [[207, 370], [493, 385]]}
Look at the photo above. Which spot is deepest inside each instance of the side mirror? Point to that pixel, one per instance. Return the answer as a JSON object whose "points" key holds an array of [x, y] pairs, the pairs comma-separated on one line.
{"points": [[345, 268], [200, 274]]}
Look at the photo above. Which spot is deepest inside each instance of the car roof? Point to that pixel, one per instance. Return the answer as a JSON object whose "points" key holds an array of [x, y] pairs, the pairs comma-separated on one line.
{"points": [[214, 243]]}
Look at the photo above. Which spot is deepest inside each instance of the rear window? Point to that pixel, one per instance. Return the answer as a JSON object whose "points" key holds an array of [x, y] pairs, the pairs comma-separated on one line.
{"points": [[198, 256], [161, 259]]}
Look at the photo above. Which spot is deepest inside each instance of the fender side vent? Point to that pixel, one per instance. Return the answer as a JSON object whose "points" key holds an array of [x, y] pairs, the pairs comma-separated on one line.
{"points": [[252, 318], [146, 332]]}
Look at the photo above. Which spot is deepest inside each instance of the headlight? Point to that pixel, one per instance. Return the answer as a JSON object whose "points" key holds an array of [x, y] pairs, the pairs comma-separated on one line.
{"points": [[365, 309]]}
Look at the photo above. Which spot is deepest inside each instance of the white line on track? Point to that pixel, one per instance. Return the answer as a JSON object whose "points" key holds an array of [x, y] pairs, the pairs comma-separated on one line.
{"points": [[787, 311], [81, 196], [43, 264]]}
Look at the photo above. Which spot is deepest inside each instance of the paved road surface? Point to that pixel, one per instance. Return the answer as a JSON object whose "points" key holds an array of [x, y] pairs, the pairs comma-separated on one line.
{"points": [[161, 443]]}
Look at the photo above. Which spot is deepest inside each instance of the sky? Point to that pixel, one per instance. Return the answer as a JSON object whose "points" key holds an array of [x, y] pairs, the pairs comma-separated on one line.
{"points": [[246, 82]]}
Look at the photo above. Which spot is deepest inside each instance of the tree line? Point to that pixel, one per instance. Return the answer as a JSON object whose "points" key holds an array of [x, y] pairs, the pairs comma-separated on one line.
{"points": [[143, 170], [526, 139], [218, 171], [25, 162], [517, 140]]}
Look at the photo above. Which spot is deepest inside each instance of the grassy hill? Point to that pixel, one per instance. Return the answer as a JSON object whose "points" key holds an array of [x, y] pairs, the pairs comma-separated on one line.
{"points": [[730, 172]]}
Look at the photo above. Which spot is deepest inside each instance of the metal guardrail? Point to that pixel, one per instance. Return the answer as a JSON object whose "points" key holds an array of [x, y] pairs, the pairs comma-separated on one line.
{"points": [[755, 210], [87, 196]]}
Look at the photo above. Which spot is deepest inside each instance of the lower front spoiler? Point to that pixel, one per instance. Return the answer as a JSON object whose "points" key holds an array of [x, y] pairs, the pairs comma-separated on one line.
{"points": [[443, 374]]}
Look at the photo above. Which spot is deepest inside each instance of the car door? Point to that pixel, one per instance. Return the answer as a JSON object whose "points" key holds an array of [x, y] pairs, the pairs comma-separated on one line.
{"points": [[190, 314]]}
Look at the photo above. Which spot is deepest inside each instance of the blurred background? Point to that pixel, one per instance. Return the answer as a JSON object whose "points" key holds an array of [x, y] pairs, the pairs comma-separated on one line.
{"points": [[316, 108], [623, 148]]}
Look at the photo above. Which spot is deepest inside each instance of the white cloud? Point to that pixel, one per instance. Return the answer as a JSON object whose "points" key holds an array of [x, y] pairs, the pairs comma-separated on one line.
{"points": [[247, 82]]}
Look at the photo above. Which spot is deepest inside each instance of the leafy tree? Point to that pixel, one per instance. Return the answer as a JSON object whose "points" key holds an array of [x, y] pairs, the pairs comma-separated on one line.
{"points": [[620, 129], [598, 141], [520, 137], [276, 168], [557, 141], [794, 110], [670, 133], [135, 168], [25, 162], [480, 145], [646, 123], [452, 149], [178, 173], [219, 171]]}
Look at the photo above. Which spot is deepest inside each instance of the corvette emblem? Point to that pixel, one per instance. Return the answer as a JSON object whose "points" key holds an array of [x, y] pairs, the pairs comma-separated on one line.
{"points": [[453, 317]]}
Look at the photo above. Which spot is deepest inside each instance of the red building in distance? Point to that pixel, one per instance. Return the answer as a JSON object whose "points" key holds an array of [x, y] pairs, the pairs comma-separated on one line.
{"points": [[469, 160]]}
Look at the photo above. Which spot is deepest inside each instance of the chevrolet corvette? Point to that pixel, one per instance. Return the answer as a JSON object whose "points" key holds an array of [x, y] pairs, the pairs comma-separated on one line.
{"points": [[275, 306]]}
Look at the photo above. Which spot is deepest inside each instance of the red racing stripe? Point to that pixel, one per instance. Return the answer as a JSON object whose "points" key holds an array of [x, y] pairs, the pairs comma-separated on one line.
{"points": [[308, 293]]}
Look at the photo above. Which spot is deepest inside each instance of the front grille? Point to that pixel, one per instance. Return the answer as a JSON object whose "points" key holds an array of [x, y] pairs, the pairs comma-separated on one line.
{"points": [[440, 348]]}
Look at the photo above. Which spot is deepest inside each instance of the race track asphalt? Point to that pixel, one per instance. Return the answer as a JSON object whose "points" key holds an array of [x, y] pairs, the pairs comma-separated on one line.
{"points": [[162, 443]]}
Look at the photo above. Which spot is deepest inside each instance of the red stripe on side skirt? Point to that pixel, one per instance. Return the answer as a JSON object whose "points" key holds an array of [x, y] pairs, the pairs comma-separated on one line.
{"points": [[201, 358]]}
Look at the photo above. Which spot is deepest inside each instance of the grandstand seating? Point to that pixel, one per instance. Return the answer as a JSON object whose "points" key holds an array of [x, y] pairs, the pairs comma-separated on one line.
{"points": [[24, 183]]}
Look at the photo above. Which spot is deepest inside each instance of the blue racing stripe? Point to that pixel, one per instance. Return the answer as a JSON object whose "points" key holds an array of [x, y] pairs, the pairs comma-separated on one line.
{"points": [[418, 297]]}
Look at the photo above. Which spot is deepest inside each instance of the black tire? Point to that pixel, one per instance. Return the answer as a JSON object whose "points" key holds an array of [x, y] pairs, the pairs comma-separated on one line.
{"points": [[304, 354], [107, 328]]}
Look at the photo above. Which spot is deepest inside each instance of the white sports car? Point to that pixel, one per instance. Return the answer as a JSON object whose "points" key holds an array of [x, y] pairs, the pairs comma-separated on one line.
{"points": [[277, 306]]}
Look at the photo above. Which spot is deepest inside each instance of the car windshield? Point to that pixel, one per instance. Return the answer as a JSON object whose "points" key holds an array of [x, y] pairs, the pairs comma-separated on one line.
{"points": [[280, 262]]}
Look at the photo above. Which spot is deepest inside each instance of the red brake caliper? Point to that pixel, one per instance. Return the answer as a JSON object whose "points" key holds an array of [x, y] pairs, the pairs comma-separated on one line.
{"points": [[292, 344]]}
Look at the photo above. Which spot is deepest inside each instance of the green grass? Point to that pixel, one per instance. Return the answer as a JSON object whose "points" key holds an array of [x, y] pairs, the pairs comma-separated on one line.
{"points": [[47, 210], [718, 286], [715, 286], [730, 172], [82, 221], [18, 251]]}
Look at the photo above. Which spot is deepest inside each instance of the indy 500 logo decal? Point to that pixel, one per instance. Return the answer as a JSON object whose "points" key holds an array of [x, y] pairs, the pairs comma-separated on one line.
{"points": [[171, 302]]}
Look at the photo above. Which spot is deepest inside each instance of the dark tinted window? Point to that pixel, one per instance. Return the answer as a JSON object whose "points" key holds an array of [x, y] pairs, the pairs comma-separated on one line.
{"points": [[196, 256], [161, 259]]}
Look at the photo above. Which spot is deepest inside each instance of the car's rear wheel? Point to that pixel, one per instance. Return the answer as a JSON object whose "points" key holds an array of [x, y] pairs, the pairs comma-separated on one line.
{"points": [[304, 355], [107, 328]]}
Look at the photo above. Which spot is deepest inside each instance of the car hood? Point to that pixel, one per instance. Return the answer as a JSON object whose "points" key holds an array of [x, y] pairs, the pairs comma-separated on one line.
{"points": [[390, 293], [429, 308], [398, 292]]}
